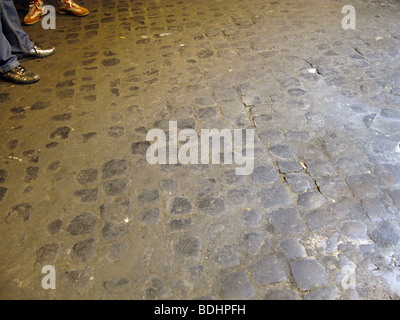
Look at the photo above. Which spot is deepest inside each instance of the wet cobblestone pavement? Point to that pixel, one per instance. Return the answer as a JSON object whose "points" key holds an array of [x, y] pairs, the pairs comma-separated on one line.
{"points": [[318, 218]]}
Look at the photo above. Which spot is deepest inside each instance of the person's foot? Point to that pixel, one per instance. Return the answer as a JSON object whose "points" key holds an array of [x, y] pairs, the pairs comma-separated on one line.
{"points": [[20, 75], [69, 6], [37, 52], [35, 12]]}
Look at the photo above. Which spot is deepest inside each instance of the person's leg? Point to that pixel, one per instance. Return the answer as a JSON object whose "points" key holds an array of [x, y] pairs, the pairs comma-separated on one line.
{"points": [[11, 27], [14, 43], [10, 69], [8, 60]]}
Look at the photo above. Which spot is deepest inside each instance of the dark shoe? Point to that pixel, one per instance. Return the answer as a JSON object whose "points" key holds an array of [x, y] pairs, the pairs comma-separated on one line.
{"points": [[20, 75]]}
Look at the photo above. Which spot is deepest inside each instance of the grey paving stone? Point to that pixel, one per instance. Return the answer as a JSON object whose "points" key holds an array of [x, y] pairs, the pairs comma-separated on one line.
{"points": [[140, 148], [3, 192], [47, 253], [148, 216], [3, 175], [289, 166], [117, 249], [385, 234], [320, 168], [112, 168], [264, 174], [274, 197], [333, 187], [395, 195], [239, 196], [251, 218], [87, 195], [22, 210], [31, 173], [225, 256], [113, 230], [320, 219], [308, 274], [87, 176], [54, 226], [328, 293], [253, 242], [388, 174], [291, 248], [187, 247], [276, 294], [179, 206], [61, 133], [84, 250], [168, 185], [268, 269], [311, 200], [211, 206], [286, 221], [300, 182], [180, 225], [355, 230], [148, 197], [363, 185], [115, 187], [374, 209], [329, 245], [116, 283], [234, 286], [82, 224], [282, 151]]}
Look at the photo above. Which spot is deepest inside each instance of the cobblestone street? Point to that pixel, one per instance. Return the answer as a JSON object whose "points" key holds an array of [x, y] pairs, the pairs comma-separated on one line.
{"points": [[317, 218]]}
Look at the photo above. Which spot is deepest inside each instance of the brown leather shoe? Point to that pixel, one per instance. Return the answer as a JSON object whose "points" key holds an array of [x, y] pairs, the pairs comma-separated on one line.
{"points": [[20, 75]]}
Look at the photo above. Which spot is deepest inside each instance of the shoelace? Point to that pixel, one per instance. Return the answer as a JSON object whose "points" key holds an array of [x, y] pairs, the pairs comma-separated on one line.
{"points": [[70, 3], [20, 69], [34, 4]]}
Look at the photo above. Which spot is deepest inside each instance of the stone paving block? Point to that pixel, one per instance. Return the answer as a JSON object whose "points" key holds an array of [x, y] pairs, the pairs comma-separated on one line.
{"points": [[274, 197], [234, 286], [226, 256], [289, 166], [186, 247], [363, 185], [385, 234], [291, 248], [333, 187], [374, 209], [395, 195], [354, 230], [300, 182], [311, 200], [320, 219], [308, 274], [286, 221], [82, 224], [387, 121], [268, 269], [275, 294]]}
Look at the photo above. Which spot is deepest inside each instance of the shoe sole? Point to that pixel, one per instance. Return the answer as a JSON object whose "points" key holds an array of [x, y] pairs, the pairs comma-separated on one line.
{"points": [[19, 82]]}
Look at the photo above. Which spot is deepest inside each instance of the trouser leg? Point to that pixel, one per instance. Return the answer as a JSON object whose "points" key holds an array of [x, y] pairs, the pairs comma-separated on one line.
{"points": [[13, 40]]}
